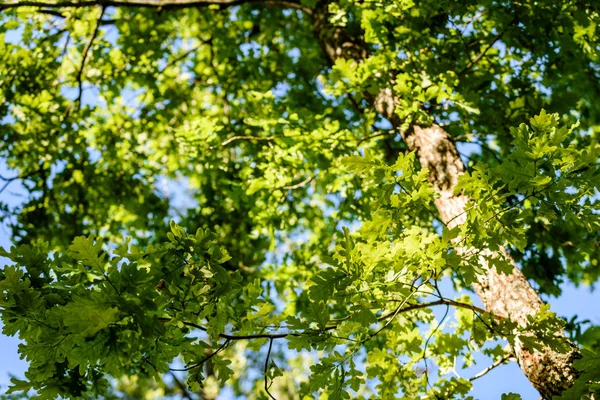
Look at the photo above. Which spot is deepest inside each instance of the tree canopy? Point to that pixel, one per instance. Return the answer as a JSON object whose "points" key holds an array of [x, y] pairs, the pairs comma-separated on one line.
{"points": [[269, 195]]}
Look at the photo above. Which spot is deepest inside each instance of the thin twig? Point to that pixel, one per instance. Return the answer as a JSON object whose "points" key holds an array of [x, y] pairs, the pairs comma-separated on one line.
{"points": [[8, 182], [14, 178], [85, 54], [482, 54], [51, 12], [181, 57], [181, 386], [446, 302], [462, 39], [400, 309], [267, 369], [205, 359], [58, 14], [491, 367], [390, 317], [361, 140], [300, 184], [424, 356], [232, 139], [111, 284], [435, 217]]}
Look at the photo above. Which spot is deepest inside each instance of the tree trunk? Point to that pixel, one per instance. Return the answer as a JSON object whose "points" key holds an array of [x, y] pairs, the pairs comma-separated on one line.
{"points": [[503, 295], [507, 296]]}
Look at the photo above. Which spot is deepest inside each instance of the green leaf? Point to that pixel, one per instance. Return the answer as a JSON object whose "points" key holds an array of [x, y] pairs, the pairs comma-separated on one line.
{"points": [[87, 251], [363, 315], [18, 385], [86, 316]]}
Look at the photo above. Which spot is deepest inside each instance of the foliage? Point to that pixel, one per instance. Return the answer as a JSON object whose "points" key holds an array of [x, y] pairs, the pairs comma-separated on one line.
{"points": [[208, 197]]}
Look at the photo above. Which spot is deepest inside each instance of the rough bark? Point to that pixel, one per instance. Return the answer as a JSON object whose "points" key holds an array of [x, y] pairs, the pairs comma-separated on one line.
{"points": [[503, 295], [508, 296]]}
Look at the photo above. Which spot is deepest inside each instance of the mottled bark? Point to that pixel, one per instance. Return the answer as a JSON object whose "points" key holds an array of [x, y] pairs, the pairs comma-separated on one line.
{"points": [[509, 296], [503, 295]]}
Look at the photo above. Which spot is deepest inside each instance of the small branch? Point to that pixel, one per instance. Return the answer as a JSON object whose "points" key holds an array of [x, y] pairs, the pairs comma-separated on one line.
{"points": [[390, 317], [84, 56], [491, 367], [181, 386], [183, 56], [482, 54], [8, 182], [267, 370], [205, 359], [232, 139], [22, 176], [424, 356], [178, 383], [10, 179], [361, 140], [245, 337], [335, 323], [355, 104], [462, 39], [50, 12], [111, 284], [433, 215], [58, 14], [298, 185], [446, 302], [158, 4]]}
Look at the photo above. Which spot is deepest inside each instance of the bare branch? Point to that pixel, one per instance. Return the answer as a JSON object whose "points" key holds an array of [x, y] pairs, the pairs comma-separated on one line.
{"points": [[58, 14], [300, 184], [158, 4], [205, 359], [390, 132], [10, 179], [86, 50], [232, 139], [267, 369], [424, 356], [17, 177], [181, 57], [50, 12], [8, 182], [483, 53], [181, 386], [444, 301], [491, 367], [402, 308]]}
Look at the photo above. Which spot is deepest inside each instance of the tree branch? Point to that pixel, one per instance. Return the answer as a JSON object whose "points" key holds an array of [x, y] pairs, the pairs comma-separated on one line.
{"points": [[14, 178], [267, 369], [58, 14], [483, 53], [86, 50], [298, 185], [205, 359], [181, 386], [234, 138], [158, 4], [363, 139], [491, 367], [400, 309]]}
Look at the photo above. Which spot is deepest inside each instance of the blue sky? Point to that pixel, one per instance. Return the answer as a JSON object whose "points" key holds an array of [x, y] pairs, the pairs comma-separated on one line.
{"points": [[508, 378]]}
